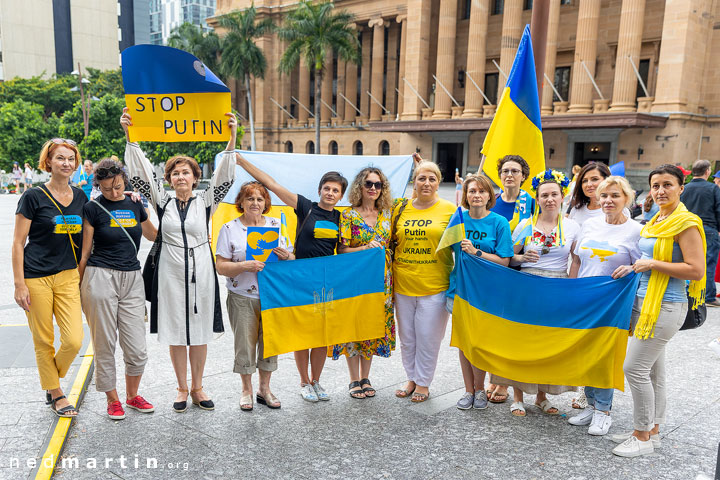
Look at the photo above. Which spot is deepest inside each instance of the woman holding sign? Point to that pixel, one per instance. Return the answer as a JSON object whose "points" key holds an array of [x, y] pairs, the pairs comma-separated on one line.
{"points": [[185, 302], [237, 241], [421, 277], [318, 235]]}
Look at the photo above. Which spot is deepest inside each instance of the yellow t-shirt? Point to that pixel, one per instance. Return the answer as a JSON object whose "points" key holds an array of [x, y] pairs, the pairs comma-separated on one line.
{"points": [[417, 270]]}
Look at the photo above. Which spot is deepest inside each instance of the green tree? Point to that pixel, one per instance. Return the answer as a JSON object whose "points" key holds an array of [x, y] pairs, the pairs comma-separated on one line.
{"points": [[108, 82], [205, 46], [105, 136], [54, 93], [241, 57], [312, 30], [23, 130]]}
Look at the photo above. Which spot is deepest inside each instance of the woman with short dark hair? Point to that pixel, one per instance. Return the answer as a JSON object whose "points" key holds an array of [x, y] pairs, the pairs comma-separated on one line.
{"points": [[185, 303], [112, 288]]}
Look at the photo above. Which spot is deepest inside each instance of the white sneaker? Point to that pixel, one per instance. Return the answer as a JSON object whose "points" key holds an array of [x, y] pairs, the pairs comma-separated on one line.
{"points": [[308, 393], [633, 447], [584, 417], [621, 437], [601, 422], [320, 391], [715, 346]]}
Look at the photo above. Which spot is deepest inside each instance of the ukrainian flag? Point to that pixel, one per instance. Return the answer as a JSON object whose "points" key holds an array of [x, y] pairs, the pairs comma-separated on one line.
{"points": [[284, 231], [325, 229], [316, 302], [516, 128], [454, 232], [533, 329]]}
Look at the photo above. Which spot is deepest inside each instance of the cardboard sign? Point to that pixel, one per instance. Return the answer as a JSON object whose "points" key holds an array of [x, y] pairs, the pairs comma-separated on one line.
{"points": [[260, 243], [173, 97]]}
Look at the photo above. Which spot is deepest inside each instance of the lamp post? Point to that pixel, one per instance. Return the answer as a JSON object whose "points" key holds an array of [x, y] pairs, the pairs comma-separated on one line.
{"points": [[84, 106]]}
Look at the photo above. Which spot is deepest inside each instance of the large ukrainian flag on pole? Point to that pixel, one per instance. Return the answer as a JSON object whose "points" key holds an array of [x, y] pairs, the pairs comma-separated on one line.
{"points": [[516, 128], [533, 329], [316, 302]]}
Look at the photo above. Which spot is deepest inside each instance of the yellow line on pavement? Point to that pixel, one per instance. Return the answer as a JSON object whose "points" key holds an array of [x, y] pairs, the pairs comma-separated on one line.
{"points": [[57, 440]]}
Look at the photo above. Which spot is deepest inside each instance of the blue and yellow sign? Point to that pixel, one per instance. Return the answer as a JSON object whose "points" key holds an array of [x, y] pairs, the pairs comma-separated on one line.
{"points": [[260, 243], [173, 97]]}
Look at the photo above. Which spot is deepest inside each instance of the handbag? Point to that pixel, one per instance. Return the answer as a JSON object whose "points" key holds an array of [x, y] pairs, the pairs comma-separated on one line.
{"points": [[151, 262], [694, 318]]}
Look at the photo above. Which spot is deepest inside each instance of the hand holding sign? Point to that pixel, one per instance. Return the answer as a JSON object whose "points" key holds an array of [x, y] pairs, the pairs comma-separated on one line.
{"points": [[173, 96]]}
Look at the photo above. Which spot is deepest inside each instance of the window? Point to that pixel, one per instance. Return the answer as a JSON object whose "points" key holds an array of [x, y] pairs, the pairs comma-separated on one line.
{"points": [[644, 69], [491, 86], [562, 83], [288, 147], [358, 148], [565, 2], [310, 147], [497, 7], [465, 11], [528, 5], [384, 148], [333, 147]]}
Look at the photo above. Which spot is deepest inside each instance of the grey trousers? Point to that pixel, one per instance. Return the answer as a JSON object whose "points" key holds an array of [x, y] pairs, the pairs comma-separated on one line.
{"points": [[645, 365], [114, 304], [246, 324]]}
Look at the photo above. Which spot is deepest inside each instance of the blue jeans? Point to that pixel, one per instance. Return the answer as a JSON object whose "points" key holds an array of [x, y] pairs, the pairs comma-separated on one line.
{"points": [[600, 398], [713, 250]]}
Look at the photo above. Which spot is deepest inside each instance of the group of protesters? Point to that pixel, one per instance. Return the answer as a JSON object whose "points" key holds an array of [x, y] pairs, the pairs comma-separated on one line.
{"points": [[71, 253]]}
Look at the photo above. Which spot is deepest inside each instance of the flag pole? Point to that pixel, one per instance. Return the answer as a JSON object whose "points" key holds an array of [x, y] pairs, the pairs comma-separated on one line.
{"points": [[538, 32]]}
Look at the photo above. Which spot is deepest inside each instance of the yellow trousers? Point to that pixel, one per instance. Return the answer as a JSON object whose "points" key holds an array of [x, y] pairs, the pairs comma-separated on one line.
{"points": [[55, 295]]}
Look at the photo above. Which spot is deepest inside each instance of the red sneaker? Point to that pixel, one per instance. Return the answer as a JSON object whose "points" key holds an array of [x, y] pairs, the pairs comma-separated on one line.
{"points": [[140, 404], [115, 410]]}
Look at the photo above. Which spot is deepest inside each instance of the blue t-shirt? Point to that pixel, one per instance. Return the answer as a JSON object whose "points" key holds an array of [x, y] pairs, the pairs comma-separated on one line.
{"points": [[675, 291], [517, 211], [87, 188], [490, 234]]}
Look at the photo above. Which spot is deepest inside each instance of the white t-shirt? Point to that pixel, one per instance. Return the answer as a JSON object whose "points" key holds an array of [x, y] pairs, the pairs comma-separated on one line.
{"points": [[603, 247], [232, 244], [583, 214], [557, 257]]}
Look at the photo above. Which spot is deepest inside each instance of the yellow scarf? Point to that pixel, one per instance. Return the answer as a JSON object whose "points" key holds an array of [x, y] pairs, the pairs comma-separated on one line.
{"points": [[678, 221]]}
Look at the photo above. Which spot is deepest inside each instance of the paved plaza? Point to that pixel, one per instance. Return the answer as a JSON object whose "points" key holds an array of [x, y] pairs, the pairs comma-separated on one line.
{"points": [[382, 437]]}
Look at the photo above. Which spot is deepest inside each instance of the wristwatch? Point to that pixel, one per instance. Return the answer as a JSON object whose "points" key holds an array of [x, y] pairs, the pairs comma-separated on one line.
{"points": [[478, 252]]}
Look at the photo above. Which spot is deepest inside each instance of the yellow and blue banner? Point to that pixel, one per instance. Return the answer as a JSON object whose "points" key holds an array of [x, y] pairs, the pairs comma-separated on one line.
{"points": [[317, 302], [516, 128], [454, 232], [532, 329], [173, 97]]}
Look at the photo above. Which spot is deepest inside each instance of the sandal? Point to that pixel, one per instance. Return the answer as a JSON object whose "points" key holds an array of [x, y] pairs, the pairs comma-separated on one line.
{"points": [[404, 392], [369, 391], [48, 397], [497, 397], [419, 397], [180, 407], [246, 402], [269, 400], [64, 412], [581, 401], [517, 409], [204, 404], [546, 406], [359, 394]]}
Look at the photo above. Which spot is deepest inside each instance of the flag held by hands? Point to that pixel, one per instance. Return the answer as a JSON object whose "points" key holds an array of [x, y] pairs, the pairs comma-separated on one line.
{"points": [[454, 232]]}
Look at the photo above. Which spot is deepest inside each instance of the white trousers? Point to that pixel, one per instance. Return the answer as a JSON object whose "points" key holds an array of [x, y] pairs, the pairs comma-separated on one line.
{"points": [[421, 327]]}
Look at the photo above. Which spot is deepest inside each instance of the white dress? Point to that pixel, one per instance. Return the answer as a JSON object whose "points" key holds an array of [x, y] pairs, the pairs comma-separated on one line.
{"points": [[185, 306]]}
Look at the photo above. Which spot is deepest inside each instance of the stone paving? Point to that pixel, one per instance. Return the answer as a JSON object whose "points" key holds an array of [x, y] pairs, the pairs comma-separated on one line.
{"points": [[383, 437]]}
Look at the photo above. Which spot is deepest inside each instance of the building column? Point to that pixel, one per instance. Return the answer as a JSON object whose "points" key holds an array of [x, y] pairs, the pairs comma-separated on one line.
{"points": [[476, 58], [351, 71], [445, 64], [402, 20], [326, 92], [581, 88], [339, 102], [551, 58], [391, 75], [378, 62], [510, 39], [365, 73], [417, 56], [629, 45], [303, 91]]}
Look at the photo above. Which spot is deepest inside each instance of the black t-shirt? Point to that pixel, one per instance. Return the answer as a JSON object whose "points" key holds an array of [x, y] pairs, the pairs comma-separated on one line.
{"points": [[111, 247], [48, 250], [321, 232]]}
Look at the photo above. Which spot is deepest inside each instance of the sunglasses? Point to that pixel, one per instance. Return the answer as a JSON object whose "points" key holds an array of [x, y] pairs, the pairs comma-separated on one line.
{"points": [[108, 171], [61, 141], [369, 185]]}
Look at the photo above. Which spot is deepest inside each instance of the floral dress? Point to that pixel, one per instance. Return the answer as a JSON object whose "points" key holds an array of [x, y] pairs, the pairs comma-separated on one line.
{"points": [[355, 233]]}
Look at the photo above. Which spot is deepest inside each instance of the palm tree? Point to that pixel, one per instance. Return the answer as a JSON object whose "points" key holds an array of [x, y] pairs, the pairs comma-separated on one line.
{"points": [[241, 56], [312, 30], [205, 46]]}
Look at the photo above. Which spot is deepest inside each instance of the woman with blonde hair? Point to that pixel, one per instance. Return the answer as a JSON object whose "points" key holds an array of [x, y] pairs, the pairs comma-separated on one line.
{"points": [[45, 253], [421, 277], [367, 225]]}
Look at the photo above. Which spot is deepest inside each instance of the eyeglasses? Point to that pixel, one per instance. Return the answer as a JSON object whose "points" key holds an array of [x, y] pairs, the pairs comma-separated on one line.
{"points": [[510, 171], [377, 185], [61, 141]]}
